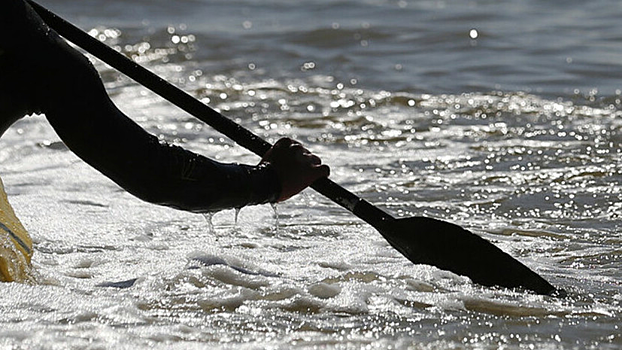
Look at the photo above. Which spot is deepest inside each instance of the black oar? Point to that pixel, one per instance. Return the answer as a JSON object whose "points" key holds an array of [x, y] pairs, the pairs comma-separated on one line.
{"points": [[421, 240]]}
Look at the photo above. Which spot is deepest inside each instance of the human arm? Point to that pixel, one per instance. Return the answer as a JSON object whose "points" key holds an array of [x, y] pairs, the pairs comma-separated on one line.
{"points": [[71, 95]]}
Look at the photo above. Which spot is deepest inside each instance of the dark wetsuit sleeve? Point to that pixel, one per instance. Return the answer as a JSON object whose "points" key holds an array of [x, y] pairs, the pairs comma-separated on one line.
{"points": [[158, 172], [93, 128], [161, 173], [71, 95]]}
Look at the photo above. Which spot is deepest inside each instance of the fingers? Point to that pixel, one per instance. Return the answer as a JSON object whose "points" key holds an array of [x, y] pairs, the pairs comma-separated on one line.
{"points": [[295, 166], [322, 171], [291, 150], [278, 150], [284, 142], [315, 160], [307, 159], [302, 154]]}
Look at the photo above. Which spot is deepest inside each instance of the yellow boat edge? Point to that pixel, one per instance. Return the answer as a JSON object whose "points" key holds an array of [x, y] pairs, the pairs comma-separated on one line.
{"points": [[15, 244]]}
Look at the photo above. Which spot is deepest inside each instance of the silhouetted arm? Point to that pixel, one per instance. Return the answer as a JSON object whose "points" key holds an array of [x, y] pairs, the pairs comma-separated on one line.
{"points": [[67, 88]]}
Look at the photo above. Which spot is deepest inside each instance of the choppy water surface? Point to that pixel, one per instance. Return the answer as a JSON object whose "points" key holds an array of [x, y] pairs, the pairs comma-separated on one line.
{"points": [[512, 131]]}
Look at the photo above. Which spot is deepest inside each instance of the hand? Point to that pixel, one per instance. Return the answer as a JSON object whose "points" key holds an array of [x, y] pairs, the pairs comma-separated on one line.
{"points": [[295, 166]]}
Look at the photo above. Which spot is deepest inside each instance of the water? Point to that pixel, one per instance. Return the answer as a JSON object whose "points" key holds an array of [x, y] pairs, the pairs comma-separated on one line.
{"points": [[514, 134]]}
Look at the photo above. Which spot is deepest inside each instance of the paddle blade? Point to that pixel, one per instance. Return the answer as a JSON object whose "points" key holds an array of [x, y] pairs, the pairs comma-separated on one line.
{"points": [[450, 247]]}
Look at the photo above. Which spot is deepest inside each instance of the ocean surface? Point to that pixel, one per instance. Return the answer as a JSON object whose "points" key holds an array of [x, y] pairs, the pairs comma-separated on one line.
{"points": [[502, 117]]}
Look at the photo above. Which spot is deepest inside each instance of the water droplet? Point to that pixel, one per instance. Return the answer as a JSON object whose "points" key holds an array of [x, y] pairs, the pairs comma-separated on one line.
{"points": [[276, 217], [237, 215], [210, 225], [473, 34]]}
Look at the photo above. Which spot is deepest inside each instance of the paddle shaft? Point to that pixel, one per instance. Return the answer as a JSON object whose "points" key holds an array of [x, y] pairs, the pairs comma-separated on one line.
{"points": [[242, 136]]}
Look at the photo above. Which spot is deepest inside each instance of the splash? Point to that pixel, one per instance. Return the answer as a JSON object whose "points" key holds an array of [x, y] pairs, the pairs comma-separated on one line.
{"points": [[237, 216], [210, 224], [276, 217]]}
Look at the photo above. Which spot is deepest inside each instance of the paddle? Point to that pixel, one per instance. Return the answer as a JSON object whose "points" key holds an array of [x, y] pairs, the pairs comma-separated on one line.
{"points": [[421, 240]]}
